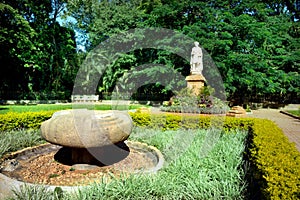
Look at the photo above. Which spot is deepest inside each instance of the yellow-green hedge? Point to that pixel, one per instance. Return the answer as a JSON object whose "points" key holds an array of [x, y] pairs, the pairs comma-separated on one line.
{"points": [[13, 120], [277, 161], [274, 159], [175, 121]]}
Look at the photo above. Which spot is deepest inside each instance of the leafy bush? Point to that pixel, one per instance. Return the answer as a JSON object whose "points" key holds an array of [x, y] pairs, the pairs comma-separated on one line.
{"points": [[141, 119], [31, 120], [186, 101]]}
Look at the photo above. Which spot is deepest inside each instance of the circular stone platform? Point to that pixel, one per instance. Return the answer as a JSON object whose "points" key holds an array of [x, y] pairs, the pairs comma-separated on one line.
{"points": [[37, 166]]}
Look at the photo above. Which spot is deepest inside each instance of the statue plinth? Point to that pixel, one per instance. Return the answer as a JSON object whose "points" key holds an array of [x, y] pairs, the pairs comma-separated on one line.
{"points": [[195, 82]]}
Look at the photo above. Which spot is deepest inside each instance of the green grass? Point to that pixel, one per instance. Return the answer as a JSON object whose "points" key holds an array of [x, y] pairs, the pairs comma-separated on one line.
{"points": [[49, 107], [37, 193], [294, 112], [11, 141], [200, 164]]}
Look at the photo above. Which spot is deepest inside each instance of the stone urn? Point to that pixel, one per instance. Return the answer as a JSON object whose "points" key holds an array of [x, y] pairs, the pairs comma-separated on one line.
{"points": [[88, 134]]}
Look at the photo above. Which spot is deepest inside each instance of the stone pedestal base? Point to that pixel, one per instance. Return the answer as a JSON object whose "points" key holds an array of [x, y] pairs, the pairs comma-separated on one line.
{"points": [[81, 155], [106, 155], [101, 156], [195, 82], [236, 111]]}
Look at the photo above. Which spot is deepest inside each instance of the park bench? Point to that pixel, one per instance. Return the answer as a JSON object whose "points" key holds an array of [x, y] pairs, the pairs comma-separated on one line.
{"points": [[85, 98]]}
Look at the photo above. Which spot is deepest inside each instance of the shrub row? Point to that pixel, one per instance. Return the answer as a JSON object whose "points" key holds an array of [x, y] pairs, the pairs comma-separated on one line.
{"points": [[175, 121], [274, 159], [13, 120], [25, 120]]}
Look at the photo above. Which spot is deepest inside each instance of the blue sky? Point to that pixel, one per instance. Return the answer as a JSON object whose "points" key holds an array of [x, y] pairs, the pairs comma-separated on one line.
{"points": [[64, 22]]}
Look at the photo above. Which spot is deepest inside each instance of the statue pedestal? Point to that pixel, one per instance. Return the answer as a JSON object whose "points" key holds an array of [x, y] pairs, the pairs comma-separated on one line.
{"points": [[195, 82]]}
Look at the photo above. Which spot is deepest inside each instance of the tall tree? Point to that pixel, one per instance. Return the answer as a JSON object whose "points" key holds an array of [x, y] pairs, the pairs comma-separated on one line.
{"points": [[45, 54], [16, 36], [255, 44], [249, 40]]}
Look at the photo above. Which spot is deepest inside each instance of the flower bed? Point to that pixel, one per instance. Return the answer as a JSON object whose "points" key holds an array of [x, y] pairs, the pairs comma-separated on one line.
{"points": [[185, 101]]}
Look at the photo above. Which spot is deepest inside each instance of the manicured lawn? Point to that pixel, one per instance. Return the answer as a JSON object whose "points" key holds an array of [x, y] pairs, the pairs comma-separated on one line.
{"points": [[50, 107], [199, 164], [294, 112]]}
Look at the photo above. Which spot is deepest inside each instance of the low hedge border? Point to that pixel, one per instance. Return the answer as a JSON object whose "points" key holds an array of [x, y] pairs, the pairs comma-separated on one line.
{"points": [[274, 160], [175, 121], [26, 120]]}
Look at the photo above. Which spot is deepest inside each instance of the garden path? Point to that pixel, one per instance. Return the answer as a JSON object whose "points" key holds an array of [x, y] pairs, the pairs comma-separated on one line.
{"points": [[289, 125]]}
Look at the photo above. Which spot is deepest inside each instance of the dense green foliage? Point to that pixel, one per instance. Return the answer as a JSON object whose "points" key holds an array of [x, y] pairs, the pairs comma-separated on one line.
{"points": [[274, 160], [35, 193], [188, 177], [24, 117], [176, 121], [38, 55], [255, 45], [185, 101]]}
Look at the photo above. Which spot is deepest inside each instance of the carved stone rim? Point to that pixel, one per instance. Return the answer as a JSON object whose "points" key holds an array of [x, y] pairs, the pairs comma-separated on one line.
{"points": [[8, 184]]}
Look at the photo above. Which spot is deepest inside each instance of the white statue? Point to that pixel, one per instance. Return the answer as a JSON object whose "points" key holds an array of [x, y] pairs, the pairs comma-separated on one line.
{"points": [[196, 59]]}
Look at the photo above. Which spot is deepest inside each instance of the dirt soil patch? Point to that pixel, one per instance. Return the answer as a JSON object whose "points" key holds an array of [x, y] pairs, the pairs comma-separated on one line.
{"points": [[44, 169]]}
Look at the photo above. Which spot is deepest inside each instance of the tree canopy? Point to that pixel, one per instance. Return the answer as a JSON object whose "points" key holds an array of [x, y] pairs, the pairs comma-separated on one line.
{"points": [[255, 44], [38, 55]]}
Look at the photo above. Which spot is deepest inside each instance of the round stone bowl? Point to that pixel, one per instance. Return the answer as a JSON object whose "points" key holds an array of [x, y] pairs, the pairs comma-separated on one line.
{"points": [[15, 160], [82, 128]]}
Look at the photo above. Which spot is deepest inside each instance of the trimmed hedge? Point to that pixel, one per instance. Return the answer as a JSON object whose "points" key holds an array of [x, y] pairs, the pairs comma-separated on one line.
{"points": [[175, 121], [25, 120], [275, 161]]}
